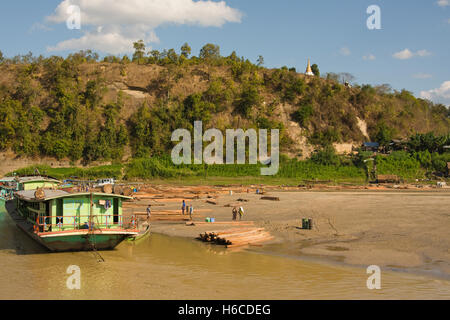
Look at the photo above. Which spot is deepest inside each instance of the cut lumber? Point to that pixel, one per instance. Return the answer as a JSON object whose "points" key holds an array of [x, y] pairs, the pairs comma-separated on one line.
{"points": [[270, 198], [247, 223], [250, 243]]}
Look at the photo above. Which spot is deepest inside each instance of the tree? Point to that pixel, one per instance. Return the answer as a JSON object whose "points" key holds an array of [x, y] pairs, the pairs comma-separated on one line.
{"points": [[186, 50], [260, 61], [210, 52], [315, 70], [139, 52], [1, 57], [346, 77], [249, 99], [384, 135], [331, 76], [326, 156], [125, 59], [233, 57], [172, 56]]}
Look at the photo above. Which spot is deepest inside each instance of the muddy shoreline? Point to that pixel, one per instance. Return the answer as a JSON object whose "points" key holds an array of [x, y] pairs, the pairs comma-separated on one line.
{"points": [[400, 230]]}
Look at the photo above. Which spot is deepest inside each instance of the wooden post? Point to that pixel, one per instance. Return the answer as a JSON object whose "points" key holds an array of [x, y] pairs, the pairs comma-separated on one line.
{"points": [[90, 211]]}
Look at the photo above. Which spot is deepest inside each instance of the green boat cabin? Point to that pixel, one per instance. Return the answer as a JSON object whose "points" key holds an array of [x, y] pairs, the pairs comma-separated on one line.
{"points": [[35, 182], [62, 211]]}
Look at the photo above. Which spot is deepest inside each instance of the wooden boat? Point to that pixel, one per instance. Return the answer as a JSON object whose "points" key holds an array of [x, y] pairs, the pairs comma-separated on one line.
{"points": [[9, 185], [144, 231], [62, 221]]}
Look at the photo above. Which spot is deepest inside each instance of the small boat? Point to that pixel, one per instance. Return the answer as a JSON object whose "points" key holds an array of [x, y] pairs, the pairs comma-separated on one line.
{"points": [[62, 221], [9, 185], [144, 231]]}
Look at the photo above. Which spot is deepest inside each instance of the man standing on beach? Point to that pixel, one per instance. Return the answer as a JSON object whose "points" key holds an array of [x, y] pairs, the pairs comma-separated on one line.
{"points": [[241, 213], [183, 207], [149, 212], [191, 211], [235, 212]]}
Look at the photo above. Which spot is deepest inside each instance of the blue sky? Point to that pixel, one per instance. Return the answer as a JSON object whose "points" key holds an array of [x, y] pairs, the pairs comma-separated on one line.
{"points": [[286, 32]]}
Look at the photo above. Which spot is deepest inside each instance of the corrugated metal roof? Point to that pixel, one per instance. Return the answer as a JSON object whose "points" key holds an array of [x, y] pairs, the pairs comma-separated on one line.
{"points": [[371, 144], [28, 195], [36, 179]]}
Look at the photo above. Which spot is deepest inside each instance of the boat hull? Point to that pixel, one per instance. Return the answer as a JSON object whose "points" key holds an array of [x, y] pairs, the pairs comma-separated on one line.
{"points": [[86, 242], [70, 241]]}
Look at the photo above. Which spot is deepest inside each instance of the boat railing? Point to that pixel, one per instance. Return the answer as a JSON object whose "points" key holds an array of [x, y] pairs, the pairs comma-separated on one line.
{"points": [[44, 224]]}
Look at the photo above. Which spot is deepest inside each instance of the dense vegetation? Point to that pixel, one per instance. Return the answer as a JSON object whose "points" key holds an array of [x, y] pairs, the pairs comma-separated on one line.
{"points": [[64, 108]]}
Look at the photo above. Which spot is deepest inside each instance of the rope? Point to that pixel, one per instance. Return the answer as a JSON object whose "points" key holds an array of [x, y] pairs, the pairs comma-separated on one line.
{"points": [[93, 243]]}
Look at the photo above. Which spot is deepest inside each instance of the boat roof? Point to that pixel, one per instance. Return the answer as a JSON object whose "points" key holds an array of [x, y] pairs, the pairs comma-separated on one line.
{"points": [[7, 179], [28, 195], [36, 179]]}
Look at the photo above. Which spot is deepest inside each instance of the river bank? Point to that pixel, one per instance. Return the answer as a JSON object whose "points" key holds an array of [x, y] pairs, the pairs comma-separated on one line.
{"points": [[173, 267], [398, 229]]}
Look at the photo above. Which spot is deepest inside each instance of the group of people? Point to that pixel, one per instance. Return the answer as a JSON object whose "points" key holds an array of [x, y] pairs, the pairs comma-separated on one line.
{"points": [[188, 209], [237, 211], [185, 209]]}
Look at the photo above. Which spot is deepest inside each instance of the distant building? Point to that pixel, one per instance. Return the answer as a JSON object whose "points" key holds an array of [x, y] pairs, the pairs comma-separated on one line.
{"points": [[308, 69], [371, 146]]}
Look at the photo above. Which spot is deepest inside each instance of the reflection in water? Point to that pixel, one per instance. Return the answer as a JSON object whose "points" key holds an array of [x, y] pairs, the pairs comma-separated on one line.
{"points": [[161, 267]]}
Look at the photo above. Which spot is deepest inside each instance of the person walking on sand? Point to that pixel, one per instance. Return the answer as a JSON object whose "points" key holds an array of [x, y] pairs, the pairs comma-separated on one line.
{"points": [[183, 207], [191, 211], [149, 212], [241, 213], [235, 212]]}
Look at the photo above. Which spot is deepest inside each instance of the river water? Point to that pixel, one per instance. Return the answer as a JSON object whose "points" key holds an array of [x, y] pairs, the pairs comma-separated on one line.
{"points": [[161, 267]]}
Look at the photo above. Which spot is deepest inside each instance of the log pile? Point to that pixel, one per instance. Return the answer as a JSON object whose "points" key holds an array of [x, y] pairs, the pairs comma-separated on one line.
{"points": [[222, 223], [237, 237]]}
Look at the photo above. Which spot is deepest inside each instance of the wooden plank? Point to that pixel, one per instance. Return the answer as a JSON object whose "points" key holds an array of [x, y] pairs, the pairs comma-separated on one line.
{"points": [[249, 223], [250, 243]]}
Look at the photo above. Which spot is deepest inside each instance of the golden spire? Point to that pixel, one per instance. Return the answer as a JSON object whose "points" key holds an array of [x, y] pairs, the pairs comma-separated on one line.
{"points": [[308, 69]]}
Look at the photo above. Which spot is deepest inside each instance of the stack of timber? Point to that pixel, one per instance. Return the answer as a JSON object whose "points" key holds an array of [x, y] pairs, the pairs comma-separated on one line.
{"points": [[160, 217], [237, 237], [166, 215], [221, 223]]}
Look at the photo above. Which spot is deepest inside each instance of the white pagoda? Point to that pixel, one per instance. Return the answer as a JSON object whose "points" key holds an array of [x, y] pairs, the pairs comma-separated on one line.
{"points": [[308, 69]]}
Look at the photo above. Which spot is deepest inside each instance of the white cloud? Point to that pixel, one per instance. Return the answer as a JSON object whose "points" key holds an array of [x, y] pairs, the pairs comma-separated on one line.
{"points": [[439, 95], [422, 76], [370, 57], [113, 25], [345, 51], [423, 53], [408, 54], [443, 3], [40, 26], [403, 55]]}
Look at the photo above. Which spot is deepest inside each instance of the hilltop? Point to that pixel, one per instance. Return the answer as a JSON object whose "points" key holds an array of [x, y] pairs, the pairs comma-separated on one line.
{"points": [[81, 109]]}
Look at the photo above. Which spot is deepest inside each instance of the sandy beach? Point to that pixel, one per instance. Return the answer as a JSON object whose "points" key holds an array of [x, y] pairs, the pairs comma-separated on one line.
{"points": [[398, 229]]}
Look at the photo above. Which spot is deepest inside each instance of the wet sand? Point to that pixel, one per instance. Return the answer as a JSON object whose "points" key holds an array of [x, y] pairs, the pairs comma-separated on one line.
{"points": [[400, 230]]}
